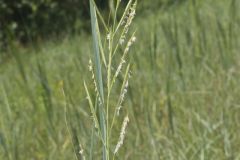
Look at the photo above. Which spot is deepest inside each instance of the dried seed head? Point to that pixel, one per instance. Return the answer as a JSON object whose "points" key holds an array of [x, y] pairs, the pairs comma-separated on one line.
{"points": [[127, 21], [122, 96], [90, 67], [122, 134], [121, 41], [134, 39], [108, 36]]}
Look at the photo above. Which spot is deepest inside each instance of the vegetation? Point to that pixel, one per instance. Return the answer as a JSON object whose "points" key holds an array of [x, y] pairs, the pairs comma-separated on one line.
{"points": [[30, 18], [182, 100]]}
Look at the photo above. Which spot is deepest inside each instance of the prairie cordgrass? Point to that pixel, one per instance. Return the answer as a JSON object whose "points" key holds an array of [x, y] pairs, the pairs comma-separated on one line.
{"points": [[104, 111], [182, 99]]}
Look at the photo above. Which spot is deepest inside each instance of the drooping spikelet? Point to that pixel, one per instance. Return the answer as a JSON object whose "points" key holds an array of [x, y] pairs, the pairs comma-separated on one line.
{"points": [[127, 22], [122, 96], [90, 67], [122, 134], [129, 44]]}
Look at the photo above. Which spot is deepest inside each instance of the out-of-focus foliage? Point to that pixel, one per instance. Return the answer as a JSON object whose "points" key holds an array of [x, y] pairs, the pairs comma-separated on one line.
{"points": [[26, 20]]}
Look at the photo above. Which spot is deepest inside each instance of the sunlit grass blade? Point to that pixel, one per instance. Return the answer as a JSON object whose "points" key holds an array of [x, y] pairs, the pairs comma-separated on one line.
{"points": [[97, 61], [93, 111], [100, 16]]}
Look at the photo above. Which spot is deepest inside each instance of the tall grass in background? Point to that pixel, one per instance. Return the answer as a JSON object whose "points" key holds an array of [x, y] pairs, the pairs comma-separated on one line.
{"points": [[188, 67], [183, 102]]}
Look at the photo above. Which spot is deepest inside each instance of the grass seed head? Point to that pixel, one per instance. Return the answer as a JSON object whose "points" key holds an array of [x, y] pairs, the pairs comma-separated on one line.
{"points": [[122, 134]]}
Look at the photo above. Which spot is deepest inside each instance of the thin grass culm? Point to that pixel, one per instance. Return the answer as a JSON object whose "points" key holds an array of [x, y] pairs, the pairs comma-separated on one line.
{"points": [[110, 71]]}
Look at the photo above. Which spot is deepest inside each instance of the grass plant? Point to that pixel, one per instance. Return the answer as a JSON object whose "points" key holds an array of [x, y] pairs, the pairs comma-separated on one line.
{"points": [[182, 101]]}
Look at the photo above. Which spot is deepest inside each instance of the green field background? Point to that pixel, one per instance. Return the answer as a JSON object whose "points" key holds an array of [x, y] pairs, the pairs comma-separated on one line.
{"points": [[183, 97]]}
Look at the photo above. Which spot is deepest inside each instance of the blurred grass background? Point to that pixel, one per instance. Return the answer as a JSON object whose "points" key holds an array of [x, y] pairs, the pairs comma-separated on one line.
{"points": [[183, 97]]}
